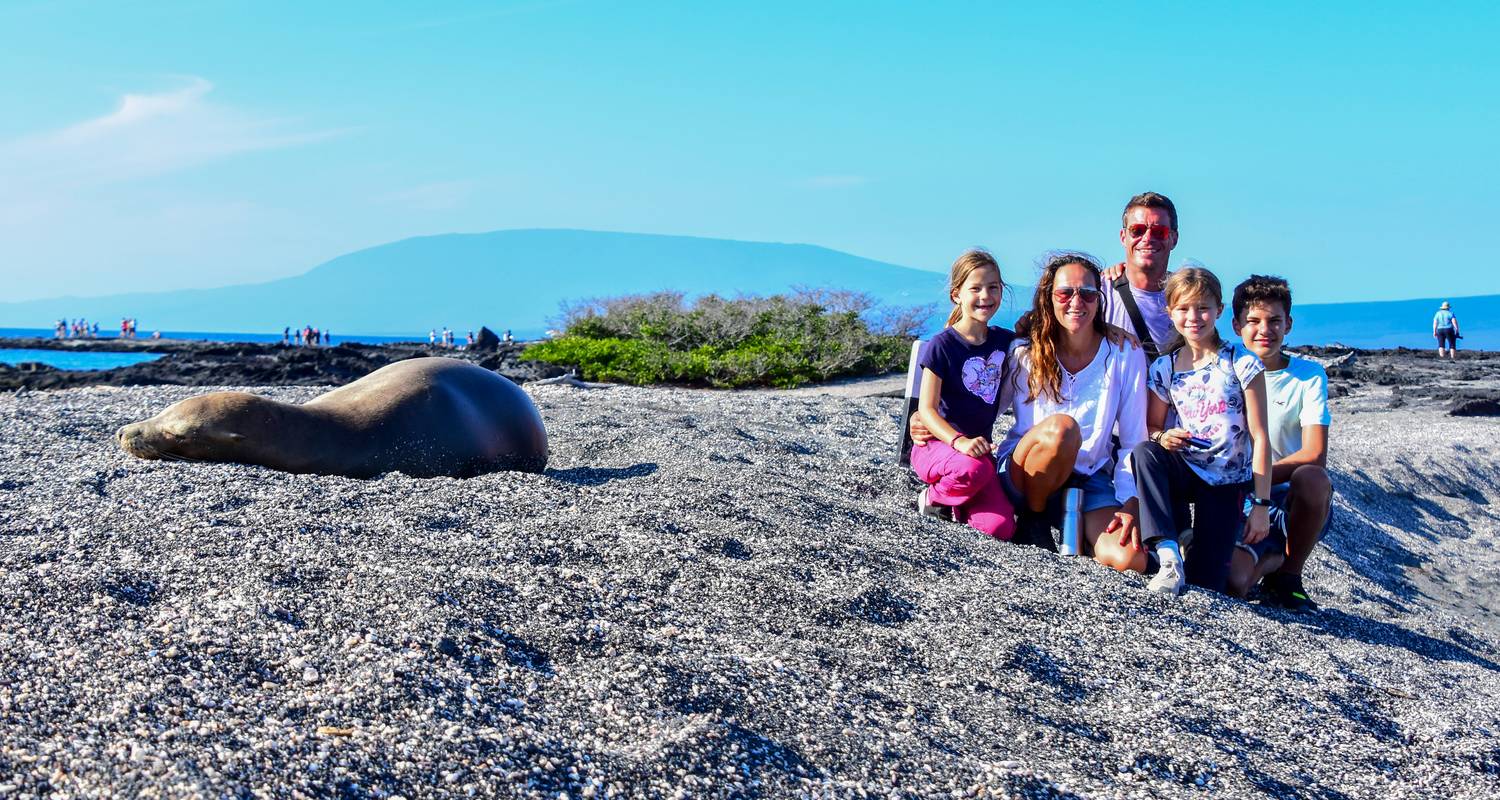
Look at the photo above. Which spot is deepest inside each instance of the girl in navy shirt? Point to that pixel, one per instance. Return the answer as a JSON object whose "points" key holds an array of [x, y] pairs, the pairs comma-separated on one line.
{"points": [[962, 367]]}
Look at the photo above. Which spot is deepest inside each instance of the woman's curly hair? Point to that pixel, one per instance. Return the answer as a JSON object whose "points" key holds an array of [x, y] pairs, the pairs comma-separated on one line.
{"points": [[1040, 325]]}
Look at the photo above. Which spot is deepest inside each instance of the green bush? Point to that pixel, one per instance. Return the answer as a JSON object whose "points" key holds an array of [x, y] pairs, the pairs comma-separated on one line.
{"points": [[783, 341]]}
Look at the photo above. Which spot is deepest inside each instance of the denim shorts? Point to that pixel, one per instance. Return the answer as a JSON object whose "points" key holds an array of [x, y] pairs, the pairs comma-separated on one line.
{"points": [[1098, 491], [1275, 541]]}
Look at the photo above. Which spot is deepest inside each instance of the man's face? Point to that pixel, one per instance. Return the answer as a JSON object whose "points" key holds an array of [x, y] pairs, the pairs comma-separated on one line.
{"points": [[1264, 328], [1148, 237]]}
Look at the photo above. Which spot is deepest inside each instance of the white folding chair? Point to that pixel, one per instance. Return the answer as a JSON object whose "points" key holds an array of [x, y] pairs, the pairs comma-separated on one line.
{"points": [[913, 393]]}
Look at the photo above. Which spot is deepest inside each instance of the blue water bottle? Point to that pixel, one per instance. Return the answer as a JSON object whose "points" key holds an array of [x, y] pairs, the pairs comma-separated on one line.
{"points": [[1072, 521]]}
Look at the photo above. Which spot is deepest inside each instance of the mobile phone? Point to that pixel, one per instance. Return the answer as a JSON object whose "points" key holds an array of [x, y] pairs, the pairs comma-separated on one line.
{"points": [[1200, 443]]}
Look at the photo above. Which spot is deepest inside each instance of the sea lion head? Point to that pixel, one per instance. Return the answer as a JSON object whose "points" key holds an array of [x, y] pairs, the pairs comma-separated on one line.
{"points": [[211, 427]]}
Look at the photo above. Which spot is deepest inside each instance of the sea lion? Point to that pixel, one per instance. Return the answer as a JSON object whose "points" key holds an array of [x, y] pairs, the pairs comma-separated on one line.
{"points": [[425, 417]]}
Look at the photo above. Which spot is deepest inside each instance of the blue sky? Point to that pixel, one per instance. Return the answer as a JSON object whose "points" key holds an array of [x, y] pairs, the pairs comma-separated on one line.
{"points": [[160, 145]]}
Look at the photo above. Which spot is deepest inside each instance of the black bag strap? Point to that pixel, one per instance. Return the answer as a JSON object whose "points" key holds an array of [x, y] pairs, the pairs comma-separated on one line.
{"points": [[1142, 331]]}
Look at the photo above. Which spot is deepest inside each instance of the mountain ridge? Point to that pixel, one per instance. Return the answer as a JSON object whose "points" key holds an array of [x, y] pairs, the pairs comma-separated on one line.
{"points": [[408, 285]]}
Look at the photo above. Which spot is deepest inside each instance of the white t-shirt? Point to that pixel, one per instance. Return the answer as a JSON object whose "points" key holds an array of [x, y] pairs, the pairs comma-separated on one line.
{"points": [[1298, 397], [1153, 307], [1106, 392], [1210, 404]]}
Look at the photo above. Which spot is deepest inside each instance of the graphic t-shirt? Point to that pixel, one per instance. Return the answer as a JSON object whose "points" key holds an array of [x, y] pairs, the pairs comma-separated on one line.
{"points": [[1443, 319], [1298, 396], [1153, 307], [971, 376], [1210, 404]]}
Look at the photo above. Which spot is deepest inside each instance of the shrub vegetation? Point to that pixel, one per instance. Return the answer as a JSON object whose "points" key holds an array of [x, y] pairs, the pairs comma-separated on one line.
{"points": [[783, 341]]}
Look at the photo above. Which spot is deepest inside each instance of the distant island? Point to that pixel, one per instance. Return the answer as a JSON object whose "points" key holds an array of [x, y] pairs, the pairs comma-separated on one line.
{"points": [[514, 279], [519, 279]]}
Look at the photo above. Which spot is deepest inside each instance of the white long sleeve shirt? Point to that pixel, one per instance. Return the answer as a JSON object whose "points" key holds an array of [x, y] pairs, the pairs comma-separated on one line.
{"points": [[1111, 390]]}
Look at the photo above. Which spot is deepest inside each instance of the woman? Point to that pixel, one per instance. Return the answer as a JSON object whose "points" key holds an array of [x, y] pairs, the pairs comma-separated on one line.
{"points": [[1076, 381]]}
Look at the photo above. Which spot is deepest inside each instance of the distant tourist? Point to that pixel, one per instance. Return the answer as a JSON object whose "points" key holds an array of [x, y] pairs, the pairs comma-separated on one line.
{"points": [[1215, 393], [327, 338], [507, 337], [469, 342], [1445, 330], [286, 336], [1301, 494], [962, 371], [432, 337]]}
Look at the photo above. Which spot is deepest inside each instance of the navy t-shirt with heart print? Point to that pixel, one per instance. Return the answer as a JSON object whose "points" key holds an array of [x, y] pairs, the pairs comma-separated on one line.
{"points": [[971, 375]]}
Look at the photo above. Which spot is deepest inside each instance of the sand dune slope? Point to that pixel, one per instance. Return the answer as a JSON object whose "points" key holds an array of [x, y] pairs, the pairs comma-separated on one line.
{"points": [[711, 594]]}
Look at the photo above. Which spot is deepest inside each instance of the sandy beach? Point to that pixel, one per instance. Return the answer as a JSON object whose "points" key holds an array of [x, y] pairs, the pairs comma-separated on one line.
{"points": [[716, 594]]}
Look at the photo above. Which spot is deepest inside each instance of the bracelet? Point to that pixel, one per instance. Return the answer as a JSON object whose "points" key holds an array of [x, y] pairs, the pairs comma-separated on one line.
{"points": [[1156, 437], [1260, 501]]}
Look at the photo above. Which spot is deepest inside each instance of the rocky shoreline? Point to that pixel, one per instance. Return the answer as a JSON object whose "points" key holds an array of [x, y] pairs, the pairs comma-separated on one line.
{"points": [[199, 363], [1467, 387]]}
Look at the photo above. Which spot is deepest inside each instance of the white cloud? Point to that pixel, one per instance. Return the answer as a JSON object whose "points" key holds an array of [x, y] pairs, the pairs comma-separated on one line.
{"points": [[146, 135], [435, 196], [835, 181], [79, 215]]}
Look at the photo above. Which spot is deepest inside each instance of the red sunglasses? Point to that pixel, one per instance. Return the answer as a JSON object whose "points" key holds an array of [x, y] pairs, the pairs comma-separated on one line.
{"points": [[1156, 231]]}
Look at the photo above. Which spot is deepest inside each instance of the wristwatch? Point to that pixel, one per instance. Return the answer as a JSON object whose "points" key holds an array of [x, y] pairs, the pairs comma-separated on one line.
{"points": [[1260, 501]]}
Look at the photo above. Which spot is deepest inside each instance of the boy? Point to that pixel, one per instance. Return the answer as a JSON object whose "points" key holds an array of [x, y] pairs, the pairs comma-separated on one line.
{"points": [[1302, 495]]}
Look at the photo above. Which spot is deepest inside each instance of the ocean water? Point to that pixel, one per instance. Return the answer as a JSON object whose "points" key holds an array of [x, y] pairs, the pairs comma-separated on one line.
{"points": [[88, 360], [79, 360], [212, 336], [1375, 325]]}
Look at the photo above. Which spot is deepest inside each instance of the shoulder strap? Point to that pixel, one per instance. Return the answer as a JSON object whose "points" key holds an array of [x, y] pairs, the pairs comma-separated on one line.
{"points": [[1122, 291]]}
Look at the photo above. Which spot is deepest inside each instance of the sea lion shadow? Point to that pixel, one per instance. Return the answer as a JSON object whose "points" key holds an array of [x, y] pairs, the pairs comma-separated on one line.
{"points": [[598, 476]]}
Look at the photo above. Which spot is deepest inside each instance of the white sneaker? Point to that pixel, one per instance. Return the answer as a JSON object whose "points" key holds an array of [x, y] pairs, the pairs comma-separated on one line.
{"points": [[927, 508], [1170, 579]]}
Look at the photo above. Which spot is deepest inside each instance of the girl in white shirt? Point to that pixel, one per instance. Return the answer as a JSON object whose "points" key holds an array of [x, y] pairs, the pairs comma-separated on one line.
{"points": [[1218, 450], [1074, 382]]}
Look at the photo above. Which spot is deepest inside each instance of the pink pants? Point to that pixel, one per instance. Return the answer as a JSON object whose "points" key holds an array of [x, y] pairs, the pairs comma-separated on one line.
{"points": [[970, 484]]}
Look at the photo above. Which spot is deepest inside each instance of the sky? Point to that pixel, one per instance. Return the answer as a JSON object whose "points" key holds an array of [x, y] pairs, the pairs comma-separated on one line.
{"points": [[158, 145]]}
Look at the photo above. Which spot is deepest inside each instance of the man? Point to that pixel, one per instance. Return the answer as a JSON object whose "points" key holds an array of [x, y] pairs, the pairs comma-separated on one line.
{"points": [[1148, 231], [1445, 330], [1302, 495]]}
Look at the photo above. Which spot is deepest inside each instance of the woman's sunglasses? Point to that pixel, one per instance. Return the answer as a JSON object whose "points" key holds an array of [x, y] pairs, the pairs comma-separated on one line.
{"points": [[1064, 294]]}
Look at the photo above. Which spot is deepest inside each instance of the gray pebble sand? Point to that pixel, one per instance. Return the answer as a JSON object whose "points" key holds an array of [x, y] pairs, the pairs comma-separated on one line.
{"points": [[711, 594]]}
